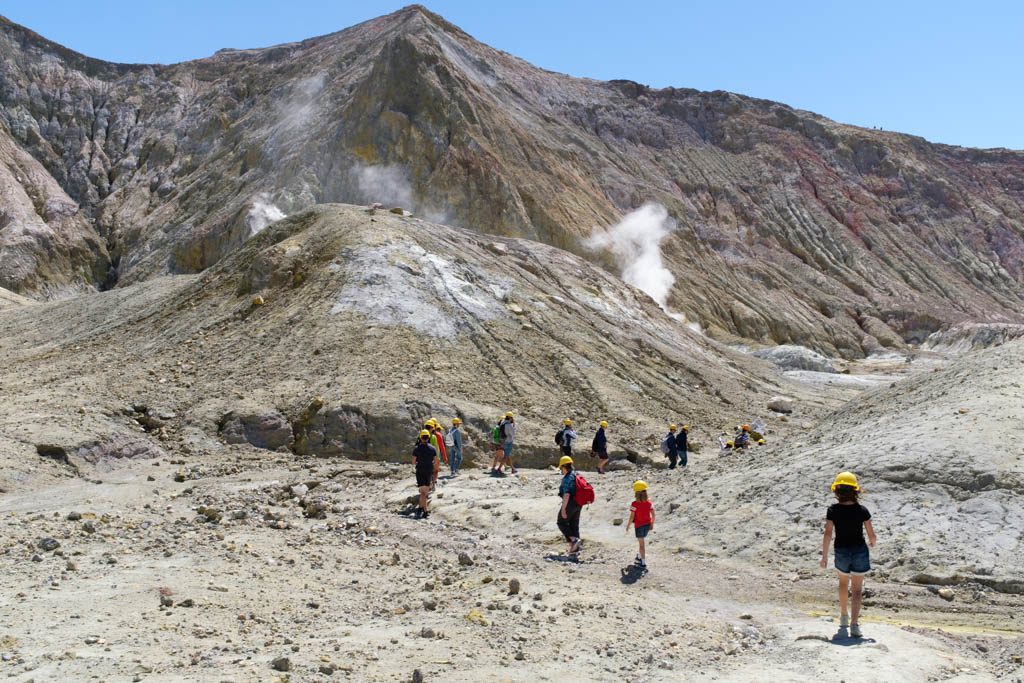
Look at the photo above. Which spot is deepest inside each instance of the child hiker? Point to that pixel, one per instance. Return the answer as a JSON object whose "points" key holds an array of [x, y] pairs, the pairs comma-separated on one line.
{"points": [[641, 516], [849, 520]]}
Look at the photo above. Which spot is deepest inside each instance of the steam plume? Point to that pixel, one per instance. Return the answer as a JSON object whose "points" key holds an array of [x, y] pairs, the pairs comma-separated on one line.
{"points": [[635, 242], [262, 213]]}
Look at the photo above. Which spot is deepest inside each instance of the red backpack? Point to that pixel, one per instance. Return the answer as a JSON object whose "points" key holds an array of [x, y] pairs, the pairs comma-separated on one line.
{"points": [[584, 492]]}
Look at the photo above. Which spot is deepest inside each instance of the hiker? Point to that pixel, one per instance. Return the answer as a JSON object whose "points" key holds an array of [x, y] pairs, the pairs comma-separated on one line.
{"points": [[508, 435], [569, 512], [599, 447], [670, 447], [641, 517], [455, 452], [681, 444], [742, 439], [849, 520], [425, 459], [499, 452], [565, 437], [437, 443]]}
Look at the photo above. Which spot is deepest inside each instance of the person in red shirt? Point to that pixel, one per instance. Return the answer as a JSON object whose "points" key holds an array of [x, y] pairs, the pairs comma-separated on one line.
{"points": [[641, 517]]}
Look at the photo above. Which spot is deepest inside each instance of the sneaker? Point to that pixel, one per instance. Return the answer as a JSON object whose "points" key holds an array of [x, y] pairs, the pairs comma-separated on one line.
{"points": [[575, 546], [638, 561], [515, 471], [426, 513], [844, 620], [855, 631]]}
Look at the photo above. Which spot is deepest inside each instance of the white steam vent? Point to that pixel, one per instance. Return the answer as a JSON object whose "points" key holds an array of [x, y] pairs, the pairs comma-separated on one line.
{"points": [[388, 184], [635, 242], [262, 213]]}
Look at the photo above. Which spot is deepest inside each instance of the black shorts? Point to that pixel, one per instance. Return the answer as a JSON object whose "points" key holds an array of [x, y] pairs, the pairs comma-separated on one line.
{"points": [[566, 450], [424, 475]]}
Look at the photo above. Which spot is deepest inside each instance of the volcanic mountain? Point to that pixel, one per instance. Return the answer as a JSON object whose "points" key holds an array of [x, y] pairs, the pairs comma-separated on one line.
{"points": [[791, 228]]}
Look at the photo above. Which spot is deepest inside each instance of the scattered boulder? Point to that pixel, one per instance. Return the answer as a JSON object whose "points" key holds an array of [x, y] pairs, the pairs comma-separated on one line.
{"points": [[281, 664], [947, 594], [781, 404], [464, 559], [513, 587], [48, 544]]}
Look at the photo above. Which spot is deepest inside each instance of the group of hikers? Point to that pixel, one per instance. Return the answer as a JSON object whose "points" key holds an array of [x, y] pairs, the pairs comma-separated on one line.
{"points": [[846, 520]]}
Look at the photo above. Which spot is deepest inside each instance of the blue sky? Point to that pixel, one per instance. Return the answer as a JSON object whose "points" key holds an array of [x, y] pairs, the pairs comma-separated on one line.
{"points": [[952, 72]]}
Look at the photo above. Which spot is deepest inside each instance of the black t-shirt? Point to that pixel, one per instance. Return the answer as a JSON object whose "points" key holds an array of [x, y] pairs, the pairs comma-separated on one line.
{"points": [[424, 454], [849, 524]]}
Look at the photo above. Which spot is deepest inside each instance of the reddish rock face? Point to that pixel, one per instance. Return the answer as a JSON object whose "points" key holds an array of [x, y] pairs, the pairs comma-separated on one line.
{"points": [[791, 228]]}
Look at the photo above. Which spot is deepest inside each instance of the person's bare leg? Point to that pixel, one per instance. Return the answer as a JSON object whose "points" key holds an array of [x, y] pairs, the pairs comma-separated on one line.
{"points": [[643, 549], [857, 587], [844, 587], [424, 490]]}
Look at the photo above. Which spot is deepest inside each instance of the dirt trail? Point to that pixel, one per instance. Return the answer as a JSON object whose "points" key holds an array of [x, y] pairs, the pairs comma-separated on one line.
{"points": [[368, 594]]}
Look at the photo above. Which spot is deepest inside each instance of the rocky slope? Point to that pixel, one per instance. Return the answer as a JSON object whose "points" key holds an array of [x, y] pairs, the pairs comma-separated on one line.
{"points": [[941, 457], [791, 228], [338, 330]]}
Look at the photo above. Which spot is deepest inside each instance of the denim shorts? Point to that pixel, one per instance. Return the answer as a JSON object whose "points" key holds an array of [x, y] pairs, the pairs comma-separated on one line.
{"points": [[856, 560], [506, 448], [642, 531]]}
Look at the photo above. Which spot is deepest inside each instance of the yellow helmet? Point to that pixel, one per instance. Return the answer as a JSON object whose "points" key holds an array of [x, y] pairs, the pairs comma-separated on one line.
{"points": [[456, 421], [686, 428], [639, 486], [846, 479], [671, 428], [425, 433], [729, 444], [761, 442], [604, 423], [567, 422], [509, 416], [566, 460]]}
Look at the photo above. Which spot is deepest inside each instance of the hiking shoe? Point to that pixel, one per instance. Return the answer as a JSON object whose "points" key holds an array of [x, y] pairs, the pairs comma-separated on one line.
{"points": [[515, 471], [855, 631], [844, 620], [426, 514]]}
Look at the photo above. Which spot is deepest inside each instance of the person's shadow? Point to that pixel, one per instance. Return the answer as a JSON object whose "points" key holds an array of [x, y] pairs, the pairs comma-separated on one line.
{"points": [[632, 574], [571, 559], [843, 638]]}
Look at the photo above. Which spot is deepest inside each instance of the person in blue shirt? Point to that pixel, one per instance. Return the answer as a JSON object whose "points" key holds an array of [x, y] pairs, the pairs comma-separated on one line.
{"points": [[455, 452]]}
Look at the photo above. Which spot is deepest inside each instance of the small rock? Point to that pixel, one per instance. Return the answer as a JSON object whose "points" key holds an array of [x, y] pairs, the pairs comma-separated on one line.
{"points": [[281, 664], [464, 559], [187, 602], [747, 616], [417, 676], [74, 516], [617, 521], [430, 604], [258, 301], [513, 587], [89, 526], [48, 544], [947, 594], [520, 656], [166, 601], [427, 632]]}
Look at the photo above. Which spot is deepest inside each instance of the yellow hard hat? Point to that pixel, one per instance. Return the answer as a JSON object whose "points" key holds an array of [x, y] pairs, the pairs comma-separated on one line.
{"points": [[671, 428], [567, 422], [745, 428], [686, 428], [760, 442], [456, 421], [846, 479], [604, 423], [639, 486], [729, 444], [509, 415], [425, 433], [566, 460]]}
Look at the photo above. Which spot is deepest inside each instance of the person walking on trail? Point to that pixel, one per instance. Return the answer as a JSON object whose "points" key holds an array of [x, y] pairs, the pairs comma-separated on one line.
{"points": [[848, 519], [569, 512], [599, 447], [499, 452], [455, 452], [437, 443], [670, 447], [681, 444], [424, 457], [508, 437], [742, 439], [641, 518], [565, 437]]}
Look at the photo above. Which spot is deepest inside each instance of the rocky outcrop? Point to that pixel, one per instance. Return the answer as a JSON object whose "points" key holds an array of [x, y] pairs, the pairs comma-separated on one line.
{"points": [[795, 358], [792, 229], [972, 336], [267, 429]]}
